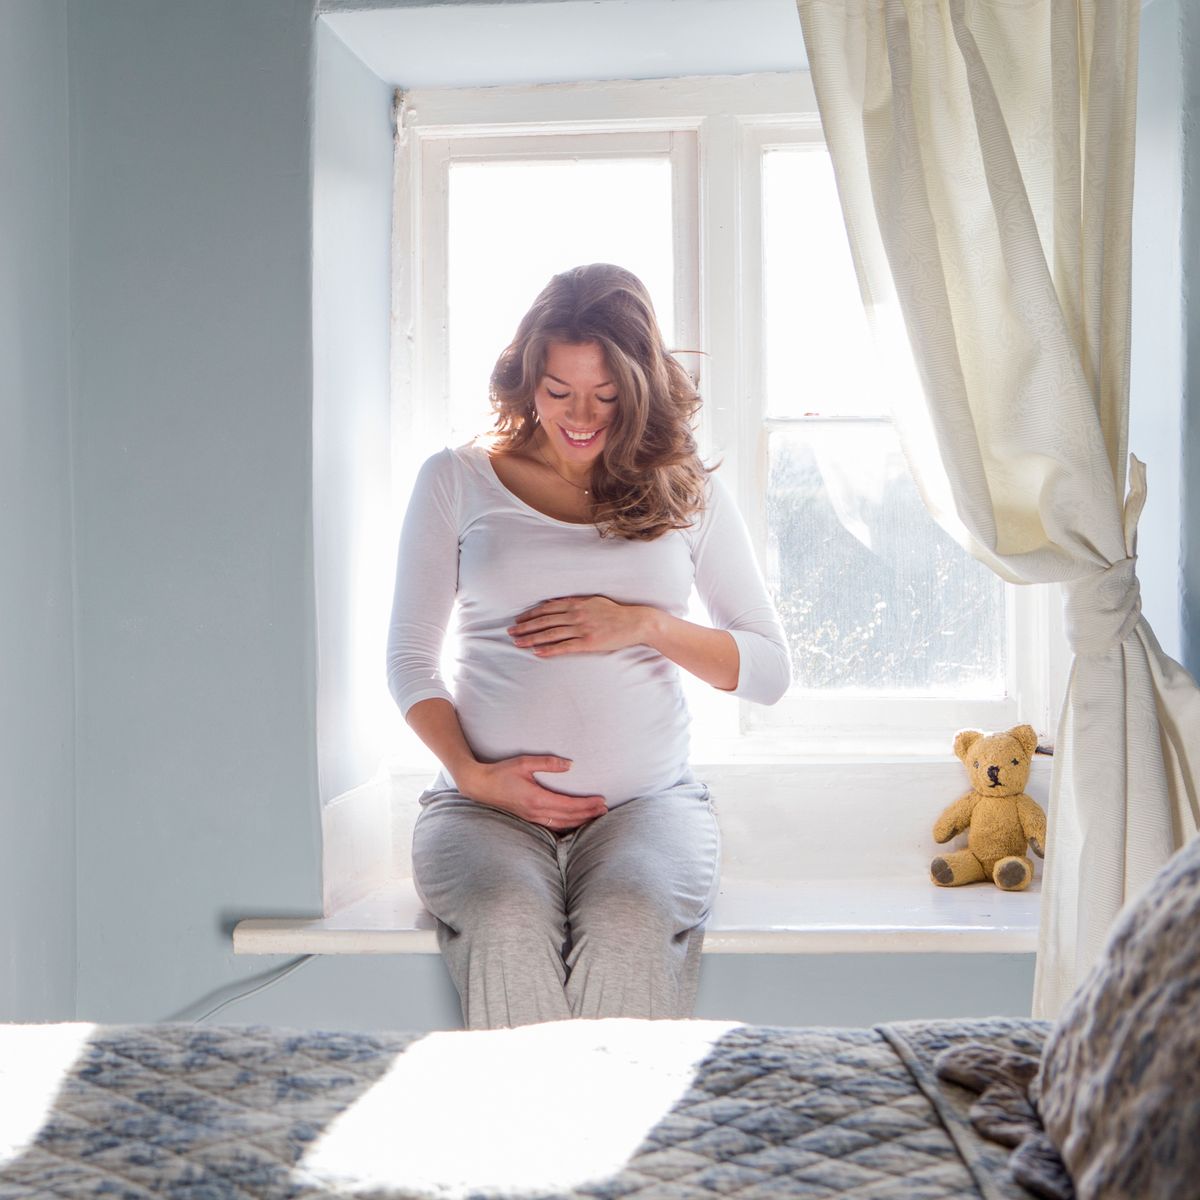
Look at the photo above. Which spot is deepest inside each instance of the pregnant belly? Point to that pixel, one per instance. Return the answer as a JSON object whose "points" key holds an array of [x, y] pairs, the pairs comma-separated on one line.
{"points": [[621, 717]]}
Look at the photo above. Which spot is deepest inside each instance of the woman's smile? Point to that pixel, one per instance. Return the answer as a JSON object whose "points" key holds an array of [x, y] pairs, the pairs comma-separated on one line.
{"points": [[577, 437]]}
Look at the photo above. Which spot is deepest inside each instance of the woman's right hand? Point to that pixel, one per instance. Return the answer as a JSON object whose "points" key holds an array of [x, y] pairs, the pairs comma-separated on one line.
{"points": [[510, 785]]}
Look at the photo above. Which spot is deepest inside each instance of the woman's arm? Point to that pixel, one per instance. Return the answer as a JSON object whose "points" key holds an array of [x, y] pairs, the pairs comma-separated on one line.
{"points": [[426, 584], [709, 654], [732, 589], [596, 625]]}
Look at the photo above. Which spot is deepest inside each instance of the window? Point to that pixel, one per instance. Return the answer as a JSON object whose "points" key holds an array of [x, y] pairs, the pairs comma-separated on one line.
{"points": [[719, 193], [555, 202]]}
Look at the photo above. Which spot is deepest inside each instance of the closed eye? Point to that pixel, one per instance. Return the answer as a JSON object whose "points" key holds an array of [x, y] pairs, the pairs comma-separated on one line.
{"points": [[564, 395]]}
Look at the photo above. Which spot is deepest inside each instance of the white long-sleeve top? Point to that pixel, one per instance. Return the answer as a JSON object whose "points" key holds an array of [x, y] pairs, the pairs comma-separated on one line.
{"points": [[620, 716]]}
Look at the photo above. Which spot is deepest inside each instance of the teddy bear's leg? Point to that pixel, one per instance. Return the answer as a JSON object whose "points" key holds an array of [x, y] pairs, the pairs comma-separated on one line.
{"points": [[955, 869], [1013, 874]]}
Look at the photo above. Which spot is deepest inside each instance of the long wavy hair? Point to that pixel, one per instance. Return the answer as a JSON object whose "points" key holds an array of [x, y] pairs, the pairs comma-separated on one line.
{"points": [[648, 478]]}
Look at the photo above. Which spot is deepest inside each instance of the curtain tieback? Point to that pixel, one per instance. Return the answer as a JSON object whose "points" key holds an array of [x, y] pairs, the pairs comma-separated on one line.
{"points": [[1101, 609]]}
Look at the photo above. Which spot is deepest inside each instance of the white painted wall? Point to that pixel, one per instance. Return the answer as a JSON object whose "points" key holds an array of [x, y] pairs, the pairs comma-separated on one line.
{"points": [[37, 701]]}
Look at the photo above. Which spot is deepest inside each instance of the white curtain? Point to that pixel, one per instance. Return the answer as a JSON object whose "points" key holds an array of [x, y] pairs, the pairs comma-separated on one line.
{"points": [[983, 151]]}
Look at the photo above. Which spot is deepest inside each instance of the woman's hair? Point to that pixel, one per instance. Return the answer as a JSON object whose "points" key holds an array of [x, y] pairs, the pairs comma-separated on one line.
{"points": [[648, 478]]}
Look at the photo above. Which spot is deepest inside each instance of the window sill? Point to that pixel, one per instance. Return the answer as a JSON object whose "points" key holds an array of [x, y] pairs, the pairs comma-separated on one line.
{"points": [[751, 916], [818, 857]]}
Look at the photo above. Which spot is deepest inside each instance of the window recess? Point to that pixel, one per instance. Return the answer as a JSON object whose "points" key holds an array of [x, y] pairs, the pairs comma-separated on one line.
{"points": [[719, 193]]}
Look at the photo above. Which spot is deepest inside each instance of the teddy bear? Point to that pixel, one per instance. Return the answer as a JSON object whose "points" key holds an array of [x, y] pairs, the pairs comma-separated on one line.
{"points": [[1002, 820]]}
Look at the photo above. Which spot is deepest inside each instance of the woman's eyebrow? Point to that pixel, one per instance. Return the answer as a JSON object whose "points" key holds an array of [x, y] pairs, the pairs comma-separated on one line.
{"points": [[606, 383]]}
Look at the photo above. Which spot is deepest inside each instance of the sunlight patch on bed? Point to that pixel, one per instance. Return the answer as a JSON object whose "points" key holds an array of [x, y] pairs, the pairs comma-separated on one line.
{"points": [[537, 1109], [34, 1061]]}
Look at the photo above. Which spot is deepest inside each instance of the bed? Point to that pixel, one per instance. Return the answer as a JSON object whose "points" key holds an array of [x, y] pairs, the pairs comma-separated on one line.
{"points": [[598, 1109], [1102, 1105]]}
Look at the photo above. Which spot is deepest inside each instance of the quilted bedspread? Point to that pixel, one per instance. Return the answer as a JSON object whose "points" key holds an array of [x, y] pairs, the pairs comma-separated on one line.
{"points": [[600, 1109]]}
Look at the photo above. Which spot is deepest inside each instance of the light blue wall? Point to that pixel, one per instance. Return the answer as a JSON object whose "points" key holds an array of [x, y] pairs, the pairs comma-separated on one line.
{"points": [[190, 307], [1157, 325], [1165, 374], [37, 702], [1190, 255], [193, 399], [414, 992], [354, 538], [564, 41], [198, 793]]}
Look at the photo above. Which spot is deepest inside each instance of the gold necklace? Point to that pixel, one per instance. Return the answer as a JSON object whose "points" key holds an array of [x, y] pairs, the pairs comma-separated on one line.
{"points": [[585, 491]]}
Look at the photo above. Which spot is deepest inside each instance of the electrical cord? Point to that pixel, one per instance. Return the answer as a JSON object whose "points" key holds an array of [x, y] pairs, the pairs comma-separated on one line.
{"points": [[281, 973]]}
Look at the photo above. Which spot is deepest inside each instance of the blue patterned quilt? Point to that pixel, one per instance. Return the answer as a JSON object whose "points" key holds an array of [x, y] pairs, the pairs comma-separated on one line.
{"points": [[599, 1109]]}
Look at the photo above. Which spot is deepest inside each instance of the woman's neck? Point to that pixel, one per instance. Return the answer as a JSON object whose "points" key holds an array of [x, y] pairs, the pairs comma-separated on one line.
{"points": [[570, 473]]}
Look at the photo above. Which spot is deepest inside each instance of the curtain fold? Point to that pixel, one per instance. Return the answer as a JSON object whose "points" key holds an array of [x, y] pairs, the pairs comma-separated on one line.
{"points": [[983, 152]]}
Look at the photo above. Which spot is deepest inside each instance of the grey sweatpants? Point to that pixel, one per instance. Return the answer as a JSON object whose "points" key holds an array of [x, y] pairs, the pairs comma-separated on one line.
{"points": [[604, 921]]}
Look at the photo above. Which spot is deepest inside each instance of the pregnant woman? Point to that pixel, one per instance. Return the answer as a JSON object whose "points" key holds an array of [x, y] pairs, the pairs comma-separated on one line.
{"points": [[567, 851]]}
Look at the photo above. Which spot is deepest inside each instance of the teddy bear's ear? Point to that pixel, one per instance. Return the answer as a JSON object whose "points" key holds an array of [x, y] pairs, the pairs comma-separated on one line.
{"points": [[964, 741], [1027, 736]]}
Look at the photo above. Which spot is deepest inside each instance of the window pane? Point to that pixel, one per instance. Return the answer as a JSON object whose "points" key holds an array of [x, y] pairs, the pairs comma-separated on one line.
{"points": [[819, 355], [514, 224], [872, 593]]}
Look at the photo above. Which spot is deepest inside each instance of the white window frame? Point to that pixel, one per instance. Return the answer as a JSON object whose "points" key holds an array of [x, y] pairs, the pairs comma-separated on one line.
{"points": [[877, 719], [715, 130]]}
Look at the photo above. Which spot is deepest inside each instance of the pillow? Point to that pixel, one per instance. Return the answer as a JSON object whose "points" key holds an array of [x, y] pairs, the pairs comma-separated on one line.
{"points": [[1120, 1075]]}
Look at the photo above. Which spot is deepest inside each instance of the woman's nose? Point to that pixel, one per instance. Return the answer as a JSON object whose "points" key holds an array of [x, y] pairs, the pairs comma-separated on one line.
{"points": [[581, 413]]}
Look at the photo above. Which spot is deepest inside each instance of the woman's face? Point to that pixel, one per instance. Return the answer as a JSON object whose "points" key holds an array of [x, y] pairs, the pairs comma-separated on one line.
{"points": [[576, 401]]}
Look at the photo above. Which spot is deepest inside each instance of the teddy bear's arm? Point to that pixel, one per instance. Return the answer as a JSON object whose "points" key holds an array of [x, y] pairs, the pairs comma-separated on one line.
{"points": [[1033, 823], [955, 818]]}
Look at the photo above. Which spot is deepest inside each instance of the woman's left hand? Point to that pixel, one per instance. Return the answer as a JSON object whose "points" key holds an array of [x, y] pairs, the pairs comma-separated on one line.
{"points": [[580, 625]]}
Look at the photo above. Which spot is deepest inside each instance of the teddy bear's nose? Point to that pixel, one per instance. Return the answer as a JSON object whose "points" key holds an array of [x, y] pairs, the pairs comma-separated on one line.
{"points": [[994, 774]]}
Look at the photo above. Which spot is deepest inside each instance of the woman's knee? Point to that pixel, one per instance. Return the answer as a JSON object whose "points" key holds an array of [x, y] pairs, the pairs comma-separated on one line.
{"points": [[632, 911], [502, 912]]}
